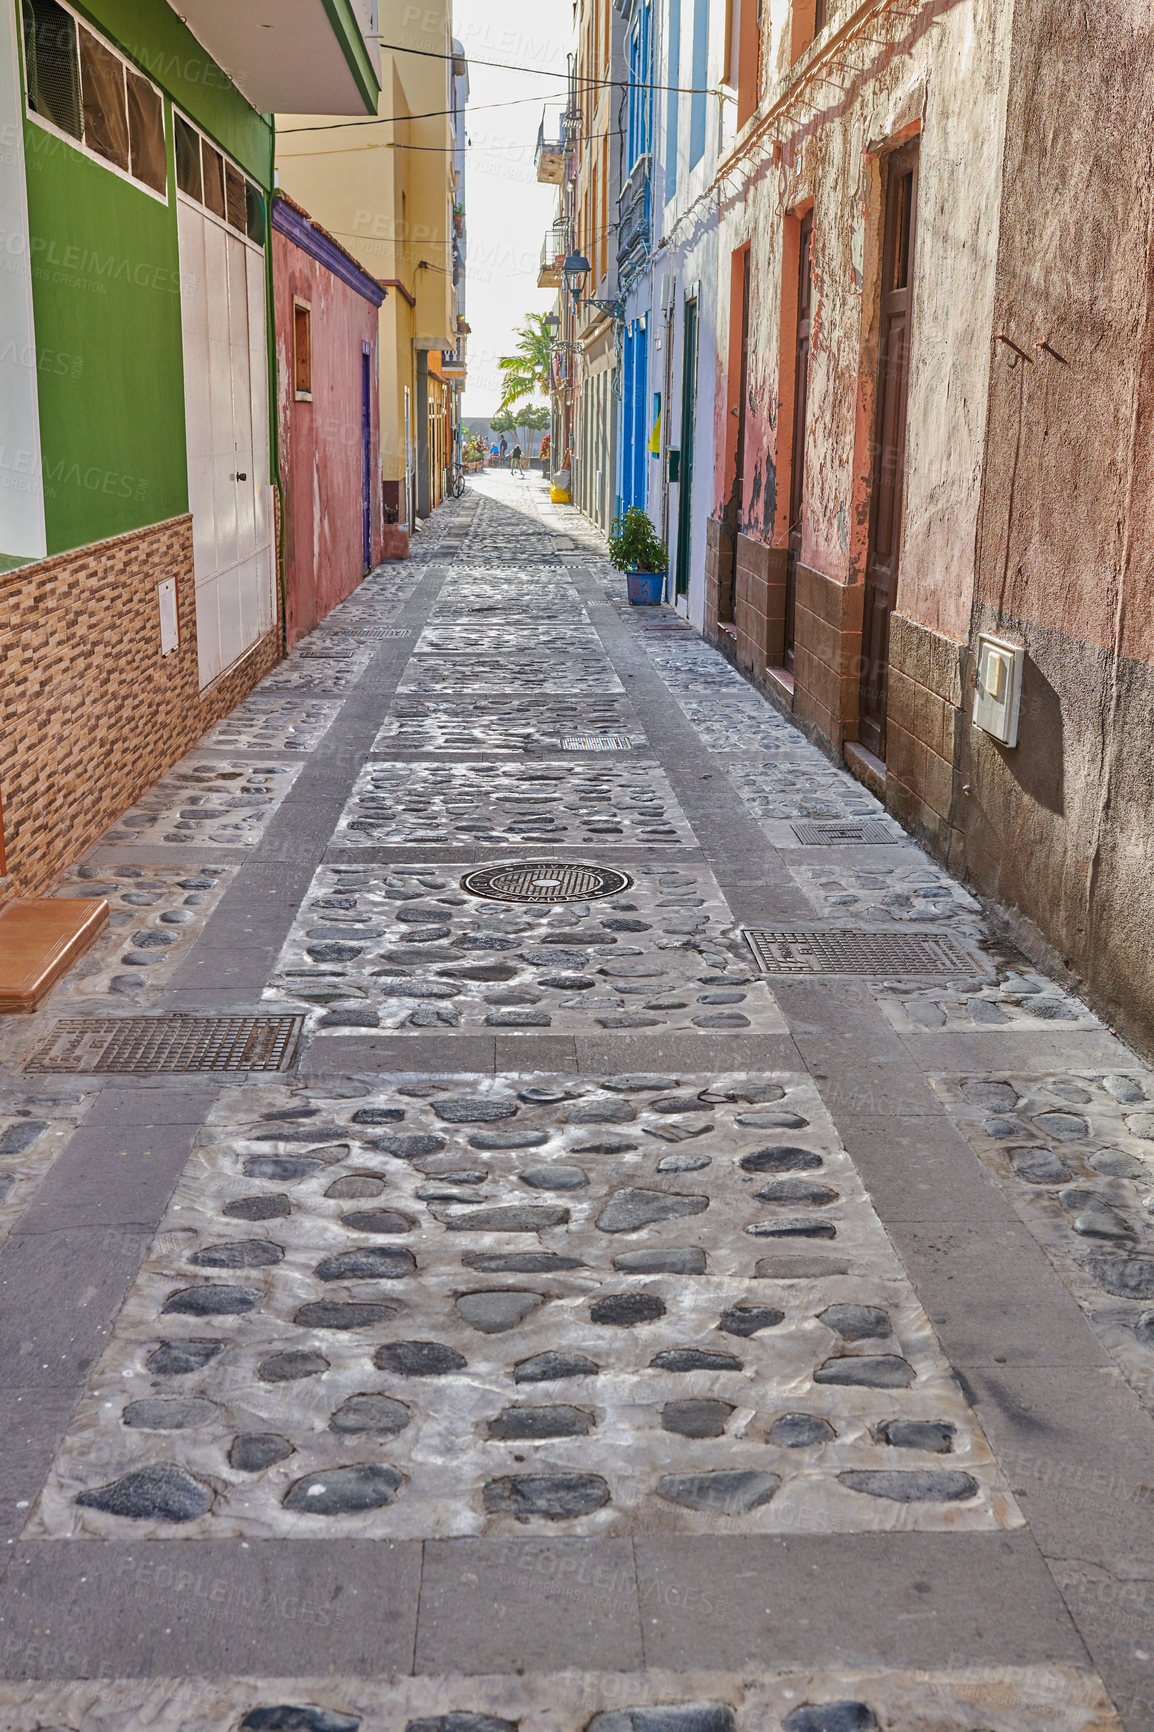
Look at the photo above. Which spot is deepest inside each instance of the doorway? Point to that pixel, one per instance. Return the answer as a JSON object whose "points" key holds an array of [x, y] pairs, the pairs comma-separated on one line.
{"points": [[688, 432], [889, 453], [225, 341], [366, 457], [734, 507], [800, 415]]}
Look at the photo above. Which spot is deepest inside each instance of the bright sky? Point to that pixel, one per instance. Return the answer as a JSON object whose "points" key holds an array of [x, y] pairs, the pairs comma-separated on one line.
{"points": [[506, 210]]}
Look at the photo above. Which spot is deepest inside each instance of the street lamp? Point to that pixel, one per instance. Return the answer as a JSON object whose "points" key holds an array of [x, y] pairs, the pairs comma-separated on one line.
{"points": [[575, 269]]}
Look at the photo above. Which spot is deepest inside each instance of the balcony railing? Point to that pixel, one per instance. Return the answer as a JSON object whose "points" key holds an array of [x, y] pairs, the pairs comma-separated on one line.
{"points": [[552, 156], [554, 249]]}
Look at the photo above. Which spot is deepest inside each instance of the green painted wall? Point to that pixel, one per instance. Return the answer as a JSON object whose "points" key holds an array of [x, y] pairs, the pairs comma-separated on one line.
{"points": [[106, 293], [150, 33]]}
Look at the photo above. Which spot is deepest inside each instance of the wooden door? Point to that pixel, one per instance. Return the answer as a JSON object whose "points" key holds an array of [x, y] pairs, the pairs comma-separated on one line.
{"points": [[889, 440], [688, 434], [225, 339], [800, 415], [366, 458], [727, 590]]}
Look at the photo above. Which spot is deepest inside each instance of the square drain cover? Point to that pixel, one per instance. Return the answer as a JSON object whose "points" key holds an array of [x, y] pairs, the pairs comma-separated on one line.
{"points": [[834, 835], [596, 743], [155, 1045], [849, 952]]}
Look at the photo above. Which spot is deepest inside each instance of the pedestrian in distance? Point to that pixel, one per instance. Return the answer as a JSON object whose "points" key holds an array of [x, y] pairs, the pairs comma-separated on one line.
{"points": [[516, 464], [504, 447]]}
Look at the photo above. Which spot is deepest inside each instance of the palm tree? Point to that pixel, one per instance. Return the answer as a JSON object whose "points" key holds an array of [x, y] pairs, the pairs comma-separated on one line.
{"points": [[527, 370]]}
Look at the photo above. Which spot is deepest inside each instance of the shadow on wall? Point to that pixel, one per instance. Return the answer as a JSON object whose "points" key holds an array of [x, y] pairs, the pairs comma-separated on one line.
{"points": [[1037, 763]]}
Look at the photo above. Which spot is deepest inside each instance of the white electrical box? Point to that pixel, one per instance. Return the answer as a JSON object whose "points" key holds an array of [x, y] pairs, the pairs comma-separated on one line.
{"points": [[998, 689], [169, 624]]}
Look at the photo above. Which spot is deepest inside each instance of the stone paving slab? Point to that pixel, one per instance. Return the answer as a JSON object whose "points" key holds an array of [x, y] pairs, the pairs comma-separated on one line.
{"points": [[206, 800], [472, 721], [658, 1306], [1074, 1152], [36, 1122], [583, 673], [597, 800], [724, 1526], [273, 724], [1003, 1699], [407, 950]]}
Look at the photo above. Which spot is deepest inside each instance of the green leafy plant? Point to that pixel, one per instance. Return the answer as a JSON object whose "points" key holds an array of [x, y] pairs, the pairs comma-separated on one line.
{"points": [[526, 372], [634, 544]]}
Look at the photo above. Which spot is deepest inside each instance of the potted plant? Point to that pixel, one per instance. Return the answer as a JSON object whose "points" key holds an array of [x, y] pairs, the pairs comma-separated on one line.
{"points": [[636, 549]]}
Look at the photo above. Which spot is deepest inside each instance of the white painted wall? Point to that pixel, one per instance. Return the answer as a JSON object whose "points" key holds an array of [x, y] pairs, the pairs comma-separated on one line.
{"points": [[21, 481]]}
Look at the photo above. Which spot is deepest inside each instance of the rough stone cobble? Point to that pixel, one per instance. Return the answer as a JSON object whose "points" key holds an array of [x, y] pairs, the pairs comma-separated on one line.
{"points": [[1074, 1151], [831, 1698], [463, 1387], [408, 950], [224, 802], [598, 802]]}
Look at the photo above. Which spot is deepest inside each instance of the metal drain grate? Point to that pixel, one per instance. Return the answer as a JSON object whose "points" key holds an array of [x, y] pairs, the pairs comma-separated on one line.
{"points": [[545, 881], [596, 743], [835, 835], [857, 952], [380, 631], [154, 1045]]}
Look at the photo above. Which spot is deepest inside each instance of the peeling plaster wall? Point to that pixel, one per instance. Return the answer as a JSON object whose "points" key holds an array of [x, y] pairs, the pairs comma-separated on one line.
{"points": [[943, 73], [1061, 827], [320, 441]]}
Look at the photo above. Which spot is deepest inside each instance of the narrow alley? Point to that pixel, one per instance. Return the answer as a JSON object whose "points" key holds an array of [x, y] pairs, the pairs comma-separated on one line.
{"points": [[656, 1223]]}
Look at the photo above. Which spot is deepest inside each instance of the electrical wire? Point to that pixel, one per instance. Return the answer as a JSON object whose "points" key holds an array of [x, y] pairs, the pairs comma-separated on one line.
{"points": [[540, 72], [395, 119]]}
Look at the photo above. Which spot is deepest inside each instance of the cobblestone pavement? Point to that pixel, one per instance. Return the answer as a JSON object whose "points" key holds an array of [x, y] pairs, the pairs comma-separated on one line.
{"points": [[590, 1330]]}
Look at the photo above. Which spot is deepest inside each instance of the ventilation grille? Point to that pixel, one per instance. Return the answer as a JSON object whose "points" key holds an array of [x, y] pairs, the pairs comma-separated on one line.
{"points": [[596, 743], [155, 1045], [838, 835], [850, 952], [545, 881]]}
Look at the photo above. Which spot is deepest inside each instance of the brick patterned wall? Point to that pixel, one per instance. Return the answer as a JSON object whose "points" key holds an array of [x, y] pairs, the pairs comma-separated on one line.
{"points": [[90, 712], [759, 610], [717, 553], [827, 654], [923, 722]]}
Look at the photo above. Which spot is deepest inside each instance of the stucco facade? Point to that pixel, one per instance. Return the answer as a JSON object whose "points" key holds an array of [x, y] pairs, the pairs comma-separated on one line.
{"points": [[328, 435], [1024, 477], [386, 191]]}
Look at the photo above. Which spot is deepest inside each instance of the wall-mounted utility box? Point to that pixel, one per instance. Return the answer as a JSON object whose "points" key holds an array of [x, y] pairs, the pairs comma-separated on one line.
{"points": [[998, 688], [169, 621]]}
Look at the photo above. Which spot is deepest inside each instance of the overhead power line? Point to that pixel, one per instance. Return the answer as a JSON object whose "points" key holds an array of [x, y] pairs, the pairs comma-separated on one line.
{"points": [[542, 72], [395, 119]]}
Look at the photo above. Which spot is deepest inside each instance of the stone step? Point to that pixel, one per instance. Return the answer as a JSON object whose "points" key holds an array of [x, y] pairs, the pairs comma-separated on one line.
{"points": [[40, 939]]}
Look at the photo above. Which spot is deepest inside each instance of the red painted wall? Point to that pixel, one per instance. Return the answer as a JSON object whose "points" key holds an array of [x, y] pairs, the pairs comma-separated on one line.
{"points": [[320, 441]]}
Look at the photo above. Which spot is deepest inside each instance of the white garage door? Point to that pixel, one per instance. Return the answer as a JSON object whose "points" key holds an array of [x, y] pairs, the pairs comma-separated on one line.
{"points": [[226, 411]]}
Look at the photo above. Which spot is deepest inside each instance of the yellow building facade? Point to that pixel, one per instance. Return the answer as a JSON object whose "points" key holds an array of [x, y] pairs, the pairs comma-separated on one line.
{"points": [[391, 191]]}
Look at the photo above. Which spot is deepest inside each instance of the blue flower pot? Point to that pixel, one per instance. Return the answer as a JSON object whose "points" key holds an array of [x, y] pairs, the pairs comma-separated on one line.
{"points": [[645, 587]]}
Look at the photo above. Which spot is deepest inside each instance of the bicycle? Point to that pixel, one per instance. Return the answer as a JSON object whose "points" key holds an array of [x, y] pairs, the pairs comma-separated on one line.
{"points": [[457, 481]]}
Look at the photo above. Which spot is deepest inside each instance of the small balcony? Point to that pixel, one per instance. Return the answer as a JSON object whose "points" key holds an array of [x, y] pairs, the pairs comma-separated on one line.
{"points": [[552, 159], [553, 252]]}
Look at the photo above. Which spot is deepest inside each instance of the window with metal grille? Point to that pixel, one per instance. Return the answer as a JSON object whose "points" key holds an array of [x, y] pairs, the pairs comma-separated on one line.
{"points": [[79, 85], [206, 175], [104, 100], [53, 65], [303, 351]]}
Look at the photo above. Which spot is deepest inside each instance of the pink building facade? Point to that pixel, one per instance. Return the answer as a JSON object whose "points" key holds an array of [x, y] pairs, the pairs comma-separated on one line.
{"points": [[328, 417]]}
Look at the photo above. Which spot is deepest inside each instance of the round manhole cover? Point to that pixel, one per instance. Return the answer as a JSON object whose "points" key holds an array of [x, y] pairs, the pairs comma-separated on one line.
{"points": [[545, 881]]}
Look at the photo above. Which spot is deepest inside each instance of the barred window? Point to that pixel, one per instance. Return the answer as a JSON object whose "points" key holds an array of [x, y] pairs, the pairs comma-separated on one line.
{"points": [[80, 85]]}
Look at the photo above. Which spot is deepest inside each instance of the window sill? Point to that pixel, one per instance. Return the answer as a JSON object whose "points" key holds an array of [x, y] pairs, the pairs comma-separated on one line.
{"points": [[303, 396]]}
